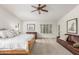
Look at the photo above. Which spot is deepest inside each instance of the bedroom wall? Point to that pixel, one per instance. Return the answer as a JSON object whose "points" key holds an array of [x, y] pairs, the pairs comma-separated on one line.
{"points": [[8, 20], [62, 22], [37, 28]]}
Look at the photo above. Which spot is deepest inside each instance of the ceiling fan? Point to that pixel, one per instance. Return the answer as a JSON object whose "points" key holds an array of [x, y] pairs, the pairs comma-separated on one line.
{"points": [[40, 8]]}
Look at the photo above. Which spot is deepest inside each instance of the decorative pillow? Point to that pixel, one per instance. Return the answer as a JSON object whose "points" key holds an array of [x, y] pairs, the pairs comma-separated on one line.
{"points": [[13, 33], [2, 34], [7, 33], [76, 45], [63, 37], [10, 33], [73, 39]]}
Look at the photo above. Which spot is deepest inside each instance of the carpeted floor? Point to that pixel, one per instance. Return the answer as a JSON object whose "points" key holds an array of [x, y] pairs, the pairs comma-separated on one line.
{"points": [[49, 47]]}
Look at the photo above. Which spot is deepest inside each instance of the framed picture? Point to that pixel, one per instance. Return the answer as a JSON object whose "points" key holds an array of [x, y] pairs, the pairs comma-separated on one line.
{"points": [[31, 27], [72, 26]]}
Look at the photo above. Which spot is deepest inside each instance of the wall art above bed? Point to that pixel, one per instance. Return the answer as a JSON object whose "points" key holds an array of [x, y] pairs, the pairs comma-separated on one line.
{"points": [[72, 26]]}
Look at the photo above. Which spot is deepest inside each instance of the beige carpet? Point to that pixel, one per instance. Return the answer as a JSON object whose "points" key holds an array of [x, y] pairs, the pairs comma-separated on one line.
{"points": [[49, 47]]}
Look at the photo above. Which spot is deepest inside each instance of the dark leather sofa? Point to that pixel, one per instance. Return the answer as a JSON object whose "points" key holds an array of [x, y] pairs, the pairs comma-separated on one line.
{"points": [[68, 44]]}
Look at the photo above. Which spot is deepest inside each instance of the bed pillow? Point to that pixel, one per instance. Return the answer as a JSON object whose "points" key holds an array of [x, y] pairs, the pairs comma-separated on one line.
{"points": [[10, 33], [63, 37], [2, 34], [7, 33], [13, 32], [76, 45]]}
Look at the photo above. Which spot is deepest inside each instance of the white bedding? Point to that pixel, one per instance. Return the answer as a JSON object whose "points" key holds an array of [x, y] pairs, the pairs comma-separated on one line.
{"points": [[19, 42]]}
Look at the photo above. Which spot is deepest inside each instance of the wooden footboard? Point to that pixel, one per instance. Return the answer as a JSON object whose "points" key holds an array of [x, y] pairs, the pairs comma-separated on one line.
{"points": [[19, 52], [14, 52], [31, 44]]}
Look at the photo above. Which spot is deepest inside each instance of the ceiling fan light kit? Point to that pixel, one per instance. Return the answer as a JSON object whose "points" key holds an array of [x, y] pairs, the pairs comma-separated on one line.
{"points": [[40, 8]]}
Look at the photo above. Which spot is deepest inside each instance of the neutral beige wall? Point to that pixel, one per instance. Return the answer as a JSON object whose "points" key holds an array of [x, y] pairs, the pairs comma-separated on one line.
{"points": [[72, 14], [7, 20], [37, 28]]}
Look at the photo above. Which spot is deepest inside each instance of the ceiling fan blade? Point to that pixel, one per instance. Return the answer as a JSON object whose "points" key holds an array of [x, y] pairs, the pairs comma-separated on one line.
{"points": [[39, 11], [39, 5], [43, 6], [34, 7], [34, 10], [44, 10]]}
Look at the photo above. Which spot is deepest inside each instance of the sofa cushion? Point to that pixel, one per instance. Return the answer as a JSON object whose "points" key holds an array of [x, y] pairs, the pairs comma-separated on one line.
{"points": [[63, 37], [76, 45]]}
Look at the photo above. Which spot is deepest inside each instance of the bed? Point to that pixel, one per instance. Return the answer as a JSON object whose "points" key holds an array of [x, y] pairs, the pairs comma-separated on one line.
{"points": [[21, 44]]}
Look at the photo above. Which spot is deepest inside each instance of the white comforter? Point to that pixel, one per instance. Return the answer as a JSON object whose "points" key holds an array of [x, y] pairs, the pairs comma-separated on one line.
{"points": [[19, 42]]}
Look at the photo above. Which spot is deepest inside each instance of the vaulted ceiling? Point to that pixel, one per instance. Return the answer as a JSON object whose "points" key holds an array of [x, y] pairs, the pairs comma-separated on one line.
{"points": [[23, 11]]}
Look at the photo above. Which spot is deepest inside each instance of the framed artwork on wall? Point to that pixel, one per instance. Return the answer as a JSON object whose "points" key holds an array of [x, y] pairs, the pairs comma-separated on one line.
{"points": [[72, 26], [30, 27]]}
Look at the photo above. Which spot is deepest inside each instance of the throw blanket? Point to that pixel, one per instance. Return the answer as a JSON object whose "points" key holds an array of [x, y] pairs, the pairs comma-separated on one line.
{"points": [[19, 42]]}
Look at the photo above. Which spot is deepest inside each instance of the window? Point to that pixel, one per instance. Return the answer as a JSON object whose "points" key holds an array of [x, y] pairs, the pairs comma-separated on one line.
{"points": [[46, 28]]}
